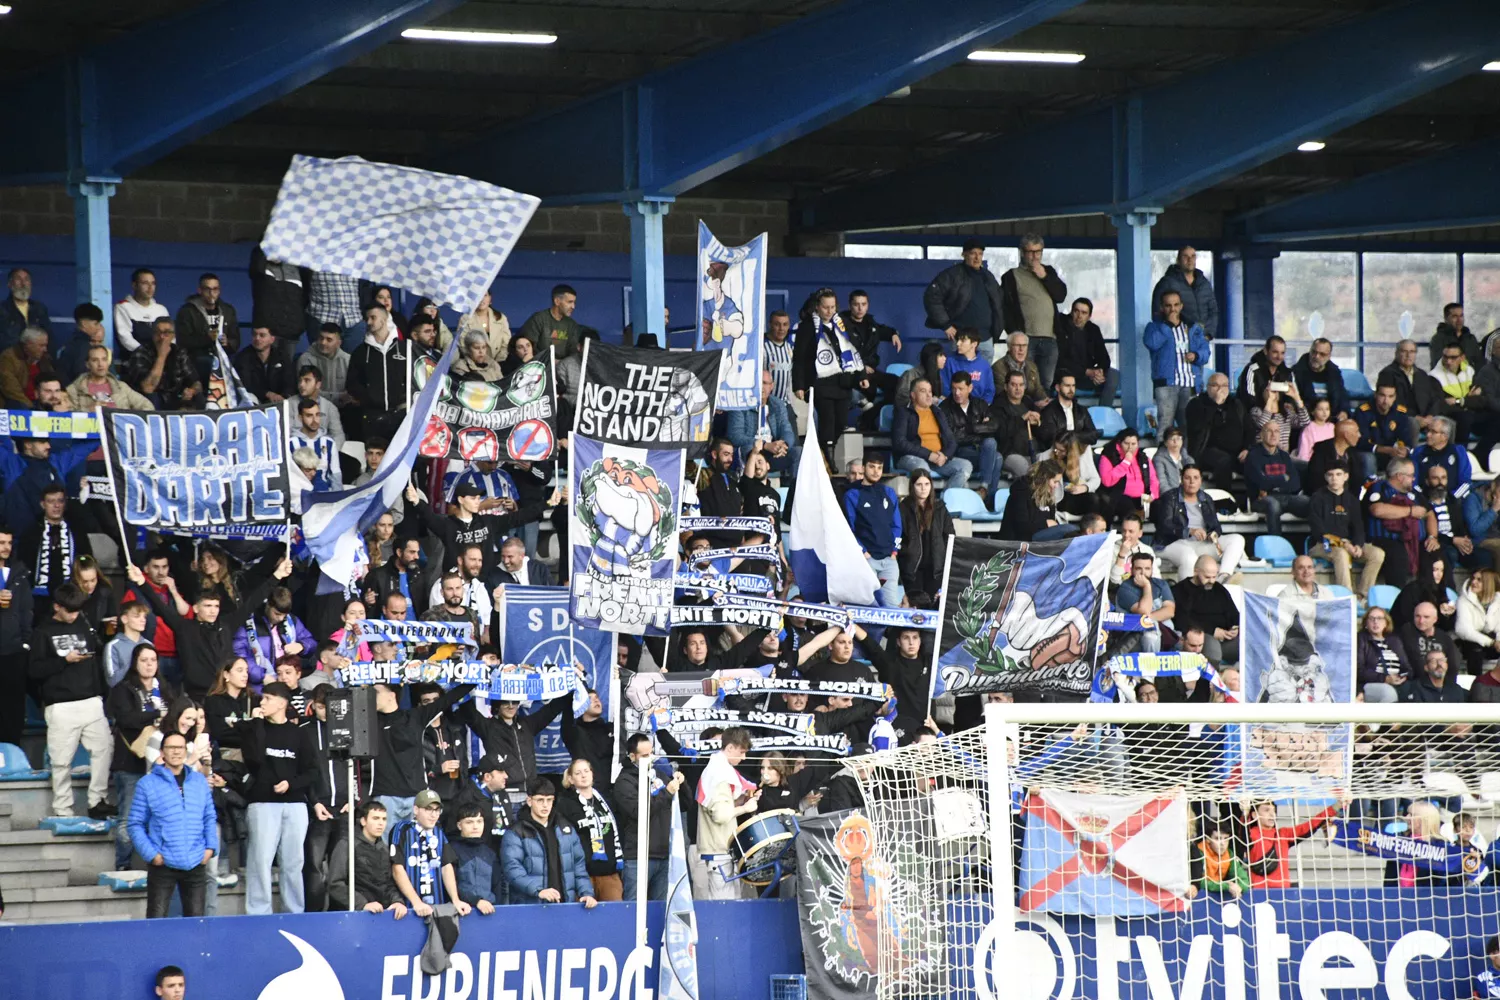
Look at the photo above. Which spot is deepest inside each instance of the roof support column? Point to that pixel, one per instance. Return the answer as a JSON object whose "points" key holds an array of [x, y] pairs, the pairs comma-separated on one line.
{"points": [[91, 246], [648, 293], [1133, 295]]}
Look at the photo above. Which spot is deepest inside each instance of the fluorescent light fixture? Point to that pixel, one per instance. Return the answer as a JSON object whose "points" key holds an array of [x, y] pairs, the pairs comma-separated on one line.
{"points": [[1311, 146], [1491, 67], [1018, 56], [4, 9], [479, 37]]}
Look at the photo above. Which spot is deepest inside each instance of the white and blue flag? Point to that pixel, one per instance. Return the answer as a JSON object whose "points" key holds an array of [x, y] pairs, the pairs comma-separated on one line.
{"points": [[431, 234], [334, 524], [825, 557]]}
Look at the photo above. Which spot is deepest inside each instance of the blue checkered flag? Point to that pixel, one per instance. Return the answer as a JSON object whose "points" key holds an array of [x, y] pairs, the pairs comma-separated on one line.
{"points": [[430, 234]]}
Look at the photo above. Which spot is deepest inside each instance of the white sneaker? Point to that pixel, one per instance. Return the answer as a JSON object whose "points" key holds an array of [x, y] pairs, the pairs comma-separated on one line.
{"points": [[225, 881]]}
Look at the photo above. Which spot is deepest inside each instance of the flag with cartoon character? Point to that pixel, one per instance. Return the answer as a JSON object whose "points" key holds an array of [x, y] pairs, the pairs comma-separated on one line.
{"points": [[1023, 616], [732, 313], [624, 535]]}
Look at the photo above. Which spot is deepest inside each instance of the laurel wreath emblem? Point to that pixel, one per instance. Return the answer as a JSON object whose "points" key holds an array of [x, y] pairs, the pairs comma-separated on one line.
{"points": [[972, 615]]}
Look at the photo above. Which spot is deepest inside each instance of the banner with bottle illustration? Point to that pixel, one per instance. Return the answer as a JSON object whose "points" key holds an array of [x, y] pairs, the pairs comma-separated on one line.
{"points": [[474, 420]]}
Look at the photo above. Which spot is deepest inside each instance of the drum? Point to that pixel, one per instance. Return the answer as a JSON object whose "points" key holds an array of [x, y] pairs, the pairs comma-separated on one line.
{"points": [[760, 842]]}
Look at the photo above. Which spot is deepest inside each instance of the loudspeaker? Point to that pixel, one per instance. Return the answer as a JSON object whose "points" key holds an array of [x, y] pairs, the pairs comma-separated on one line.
{"points": [[352, 723]]}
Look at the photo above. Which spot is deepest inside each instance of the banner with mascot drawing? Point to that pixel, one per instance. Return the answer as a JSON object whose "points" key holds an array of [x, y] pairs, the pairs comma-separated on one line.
{"points": [[480, 421], [1023, 616], [625, 506], [732, 313]]}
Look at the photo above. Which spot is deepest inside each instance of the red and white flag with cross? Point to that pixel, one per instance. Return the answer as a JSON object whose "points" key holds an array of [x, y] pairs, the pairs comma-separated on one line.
{"points": [[1105, 855]]}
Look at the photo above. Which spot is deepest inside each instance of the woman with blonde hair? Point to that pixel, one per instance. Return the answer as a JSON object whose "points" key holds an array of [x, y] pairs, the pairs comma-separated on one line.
{"points": [[593, 820], [1424, 823], [1031, 513], [1477, 626], [1080, 475], [214, 577]]}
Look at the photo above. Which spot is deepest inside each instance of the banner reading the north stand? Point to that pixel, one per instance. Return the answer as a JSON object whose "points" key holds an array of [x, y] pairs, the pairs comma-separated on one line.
{"points": [[643, 397]]}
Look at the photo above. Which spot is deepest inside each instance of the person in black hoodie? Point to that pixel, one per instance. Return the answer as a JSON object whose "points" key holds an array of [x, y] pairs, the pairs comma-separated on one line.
{"points": [[15, 631], [926, 527], [1314, 371], [471, 526], [485, 788], [719, 491], [1219, 431], [206, 641], [510, 734], [868, 334], [591, 737], [68, 672], [135, 704], [281, 769], [445, 748], [377, 375], [826, 362], [374, 886], [661, 799], [327, 829], [396, 774]]}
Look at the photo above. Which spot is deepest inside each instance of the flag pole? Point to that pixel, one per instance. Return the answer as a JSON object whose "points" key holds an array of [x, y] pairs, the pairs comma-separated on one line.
{"points": [[114, 487], [937, 638]]}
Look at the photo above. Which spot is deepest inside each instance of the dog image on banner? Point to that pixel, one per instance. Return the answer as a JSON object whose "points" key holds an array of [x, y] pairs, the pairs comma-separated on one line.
{"points": [[731, 313], [624, 536]]}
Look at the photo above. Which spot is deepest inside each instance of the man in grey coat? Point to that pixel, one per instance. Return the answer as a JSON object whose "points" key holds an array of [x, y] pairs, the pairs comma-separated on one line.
{"points": [[1198, 302]]}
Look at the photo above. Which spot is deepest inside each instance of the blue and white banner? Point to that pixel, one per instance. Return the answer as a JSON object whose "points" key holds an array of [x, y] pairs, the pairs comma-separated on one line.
{"points": [[750, 682], [1121, 673], [537, 685], [732, 313], [826, 561], [183, 471], [225, 390], [1023, 616], [335, 523], [679, 941], [436, 235], [444, 673], [625, 503], [731, 583], [902, 618], [692, 720], [1429, 857], [77, 426], [539, 631], [420, 633], [749, 525], [1299, 650]]}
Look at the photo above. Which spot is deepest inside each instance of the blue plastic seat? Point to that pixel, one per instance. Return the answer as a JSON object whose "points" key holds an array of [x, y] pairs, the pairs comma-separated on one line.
{"points": [[887, 416], [1143, 425], [1108, 420], [964, 503], [1000, 499], [1275, 550], [1339, 591], [1357, 385], [1383, 595], [897, 368]]}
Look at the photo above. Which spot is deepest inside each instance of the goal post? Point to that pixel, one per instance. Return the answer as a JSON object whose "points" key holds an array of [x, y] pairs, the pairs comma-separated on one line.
{"points": [[1188, 851]]}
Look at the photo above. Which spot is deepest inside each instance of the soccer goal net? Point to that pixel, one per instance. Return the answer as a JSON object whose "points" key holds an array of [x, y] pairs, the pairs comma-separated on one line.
{"points": [[1183, 852]]}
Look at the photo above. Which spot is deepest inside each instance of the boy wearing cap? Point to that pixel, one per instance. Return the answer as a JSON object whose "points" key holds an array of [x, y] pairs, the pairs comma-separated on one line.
{"points": [[486, 789], [422, 859], [281, 764]]}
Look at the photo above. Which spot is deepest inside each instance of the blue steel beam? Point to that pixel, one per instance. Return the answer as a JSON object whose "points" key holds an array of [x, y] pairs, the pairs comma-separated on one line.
{"points": [[1448, 191], [117, 108], [673, 130], [1170, 141]]}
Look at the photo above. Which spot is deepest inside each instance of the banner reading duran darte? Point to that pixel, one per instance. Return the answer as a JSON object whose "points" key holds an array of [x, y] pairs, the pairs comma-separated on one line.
{"points": [[647, 398], [1023, 616], [482, 421], [624, 535], [199, 470]]}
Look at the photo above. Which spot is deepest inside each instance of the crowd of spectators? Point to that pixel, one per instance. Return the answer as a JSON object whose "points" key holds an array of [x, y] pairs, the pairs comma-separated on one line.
{"points": [[206, 671]]}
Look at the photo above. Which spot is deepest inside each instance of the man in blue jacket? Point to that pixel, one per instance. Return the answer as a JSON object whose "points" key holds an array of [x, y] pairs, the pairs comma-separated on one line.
{"points": [[922, 439], [543, 860], [1178, 353], [769, 426], [874, 513], [174, 827]]}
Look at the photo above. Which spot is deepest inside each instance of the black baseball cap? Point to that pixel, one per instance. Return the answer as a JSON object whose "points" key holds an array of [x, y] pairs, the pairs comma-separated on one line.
{"points": [[973, 243], [468, 489], [492, 762]]}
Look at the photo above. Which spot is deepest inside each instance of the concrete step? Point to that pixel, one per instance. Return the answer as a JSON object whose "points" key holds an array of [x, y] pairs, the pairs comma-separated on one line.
{"points": [[31, 801], [7, 821], [34, 873], [66, 904], [87, 855]]}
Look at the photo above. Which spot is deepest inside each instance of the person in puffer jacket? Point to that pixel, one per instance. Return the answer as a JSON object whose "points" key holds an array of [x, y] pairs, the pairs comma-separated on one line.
{"points": [[543, 860], [174, 827], [476, 866]]}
